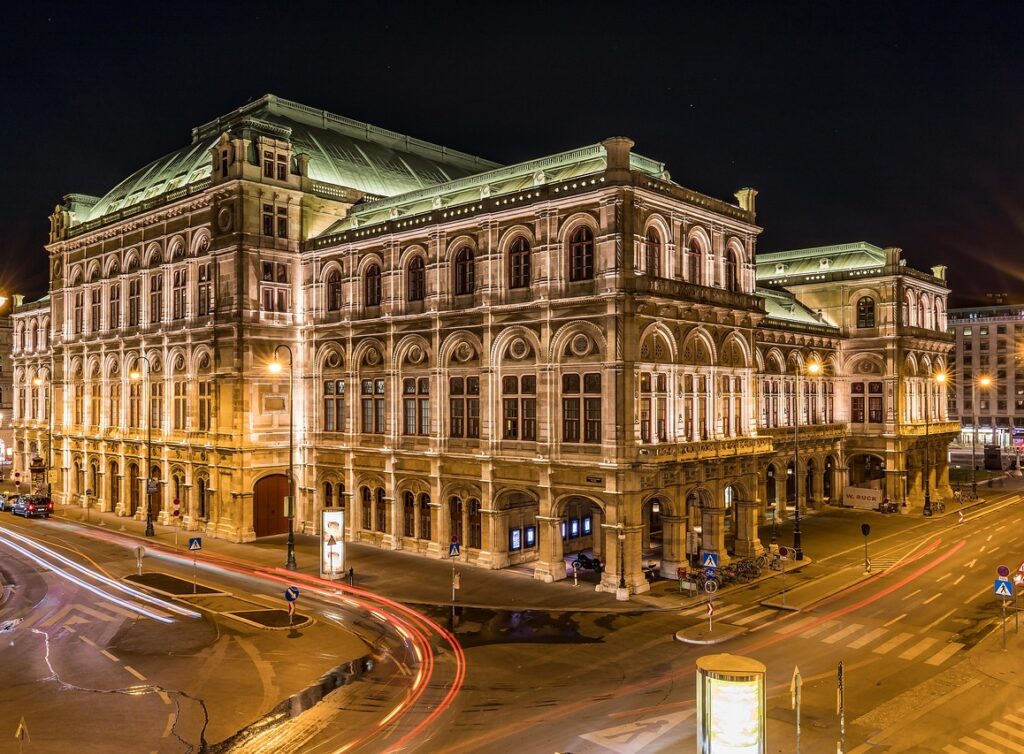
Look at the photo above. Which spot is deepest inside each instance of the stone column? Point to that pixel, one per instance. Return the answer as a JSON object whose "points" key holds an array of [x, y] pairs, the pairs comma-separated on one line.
{"points": [[596, 522], [549, 565], [636, 582], [713, 533], [748, 544], [818, 485], [673, 547]]}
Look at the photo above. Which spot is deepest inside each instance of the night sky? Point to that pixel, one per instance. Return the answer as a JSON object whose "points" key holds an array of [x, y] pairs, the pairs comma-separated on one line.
{"points": [[896, 124]]}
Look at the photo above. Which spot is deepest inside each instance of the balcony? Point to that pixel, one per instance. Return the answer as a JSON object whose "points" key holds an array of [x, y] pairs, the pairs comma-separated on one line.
{"points": [[809, 432], [726, 447], [934, 428]]}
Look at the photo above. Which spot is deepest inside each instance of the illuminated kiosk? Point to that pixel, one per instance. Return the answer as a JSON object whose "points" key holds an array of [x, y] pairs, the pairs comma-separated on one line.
{"points": [[730, 705], [37, 476]]}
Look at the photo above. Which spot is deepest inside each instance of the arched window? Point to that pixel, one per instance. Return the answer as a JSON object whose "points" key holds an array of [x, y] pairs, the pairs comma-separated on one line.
{"points": [[382, 510], [519, 264], [475, 528], [373, 285], [922, 312], [732, 280], [652, 253], [581, 254], [364, 495], [693, 263], [866, 312], [424, 515], [455, 518], [938, 315], [465, 269], [328, 495], [417, 280], [201, 496], [409, 514], [334, 291]]}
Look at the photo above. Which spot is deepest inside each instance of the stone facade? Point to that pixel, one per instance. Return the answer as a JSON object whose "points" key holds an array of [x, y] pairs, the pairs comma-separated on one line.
{"points": [[573, 353]]}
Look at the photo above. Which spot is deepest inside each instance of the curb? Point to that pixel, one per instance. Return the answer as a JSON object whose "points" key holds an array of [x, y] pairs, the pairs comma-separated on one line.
{"points": [[731, 632]]}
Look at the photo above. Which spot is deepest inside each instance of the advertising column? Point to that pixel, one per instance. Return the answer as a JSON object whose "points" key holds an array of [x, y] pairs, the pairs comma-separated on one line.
{"points": [[332, 543], [730, 705]]}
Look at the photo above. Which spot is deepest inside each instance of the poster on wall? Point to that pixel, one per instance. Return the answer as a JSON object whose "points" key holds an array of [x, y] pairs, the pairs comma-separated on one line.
{"points": [[515, 541], [332, 543]]}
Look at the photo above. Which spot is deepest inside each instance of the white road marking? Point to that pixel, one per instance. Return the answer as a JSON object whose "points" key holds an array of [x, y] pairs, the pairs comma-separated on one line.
{"points": [[892, 644], [1002, 741], [993, 549], [867, 638], [1007, 729], [109, 656], [939, 620], [897, 618], [944, 576], [971, 564], [944, 654], [633, 738], [135, 672], [989, 537], [980, 746], [918, 648], [818, 629], [950, 749], [932, 598], [840, 635], [792, 629], [982, 550], [1000, 528], [751, 618], [170, 725], [960, 578], [916, 591]]}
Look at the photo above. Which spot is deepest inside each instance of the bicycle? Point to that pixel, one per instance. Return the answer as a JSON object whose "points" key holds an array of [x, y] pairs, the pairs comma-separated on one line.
{"points": [[939, 506], [707, 584]]}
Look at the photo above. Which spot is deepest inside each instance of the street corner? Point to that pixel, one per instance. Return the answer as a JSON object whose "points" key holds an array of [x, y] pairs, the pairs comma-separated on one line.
{"points": [[701, 635]]}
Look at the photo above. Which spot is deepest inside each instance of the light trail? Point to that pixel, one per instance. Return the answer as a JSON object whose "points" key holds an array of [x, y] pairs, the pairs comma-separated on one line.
{"points": [[137, 594]]}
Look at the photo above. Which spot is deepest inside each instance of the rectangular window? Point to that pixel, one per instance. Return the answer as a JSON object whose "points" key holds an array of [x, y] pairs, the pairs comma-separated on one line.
{"points": [[114, 311], [268, 221], [79, 398], [79, 311], [156, 298], [95, 404], [134, 297], [178, 294], [180, 404], [282, 222], [875, 410], [97, 308], [204, 291], [156, 406], [857, 409], [268, 164], [528, 388], [205, 405], [282, 168], [473, 407], [378, 406], [135, 405]]}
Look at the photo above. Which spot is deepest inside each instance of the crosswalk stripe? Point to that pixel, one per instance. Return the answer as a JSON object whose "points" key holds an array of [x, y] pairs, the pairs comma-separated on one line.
{"points": [[1014, 719], [892, 644], [1002, 741], [944, 654], [1008, 729], [867, 638], [918, 648], [751, 618], [980, 746], [840, 635], [827, 625], [792, 628], [950, 749]]}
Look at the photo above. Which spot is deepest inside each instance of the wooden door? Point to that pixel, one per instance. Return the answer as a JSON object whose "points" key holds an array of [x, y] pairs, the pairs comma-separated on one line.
{"points": [[268, 496]]}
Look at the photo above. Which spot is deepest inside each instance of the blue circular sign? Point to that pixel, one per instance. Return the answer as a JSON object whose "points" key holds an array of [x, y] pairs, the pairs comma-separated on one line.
{"points": [[291, 593]]}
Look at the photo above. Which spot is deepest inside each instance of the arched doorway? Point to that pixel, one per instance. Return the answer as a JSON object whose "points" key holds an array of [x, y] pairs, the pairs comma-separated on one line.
{"points": [[867, 471], [771, 488], [826, 482], [729, 523], [155, 500], [808, 490], [580, 531], [115, 486], [653, 528], [268, 496], [790, 485]]}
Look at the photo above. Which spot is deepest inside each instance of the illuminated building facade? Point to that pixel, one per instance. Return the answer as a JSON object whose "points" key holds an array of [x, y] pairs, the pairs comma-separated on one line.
{"points": [[570, 353]]}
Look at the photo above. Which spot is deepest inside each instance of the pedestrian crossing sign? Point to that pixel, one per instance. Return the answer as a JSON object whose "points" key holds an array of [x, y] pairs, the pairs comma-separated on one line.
{"points": [[1004, 588], [709, 560]]}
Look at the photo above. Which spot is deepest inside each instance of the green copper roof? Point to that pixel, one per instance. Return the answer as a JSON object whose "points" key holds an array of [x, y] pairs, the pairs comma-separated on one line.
{"points": [[555, 170], [342, 151], [784, 307], [822, 260]]}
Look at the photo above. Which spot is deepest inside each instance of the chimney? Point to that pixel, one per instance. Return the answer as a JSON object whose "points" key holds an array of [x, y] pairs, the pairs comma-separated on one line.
{"points": [[617, 150], [747, 198]]}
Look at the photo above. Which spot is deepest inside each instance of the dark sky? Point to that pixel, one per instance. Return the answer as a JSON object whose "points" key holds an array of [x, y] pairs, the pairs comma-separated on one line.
{"points": [[898, 124]]}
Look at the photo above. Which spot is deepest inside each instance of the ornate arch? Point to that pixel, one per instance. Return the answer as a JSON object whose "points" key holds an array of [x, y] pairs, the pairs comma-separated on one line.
{"points": [[450, 348], [697, 232], [131, 260], [658, 330], [911, 365], [865, 364], [575, 220], [499, 498], [331, 265], [329, 356], [410, 251], [459, 488], [698, 342], [200, 242], [513, 232], [734, 244], [92, 273], [732, 346], [154, 252], [364, 352], [568, 331], [111, 266], [176, 247], [372, 257], [202, 360], [503, 341], [460, 241], [412, 348]]}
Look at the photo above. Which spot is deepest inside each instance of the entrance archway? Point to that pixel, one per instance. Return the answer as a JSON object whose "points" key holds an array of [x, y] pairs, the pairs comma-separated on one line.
{"points": [[771, 487], [155, 501], [653, 527], [729, 524], [790, 485], [268, 496], [826, 482], [133, 488], [867, 470]]}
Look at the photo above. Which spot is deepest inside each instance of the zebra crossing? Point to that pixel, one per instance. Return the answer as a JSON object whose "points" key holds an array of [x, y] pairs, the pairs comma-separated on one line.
{"points": [[998, 737], [882, 641]]}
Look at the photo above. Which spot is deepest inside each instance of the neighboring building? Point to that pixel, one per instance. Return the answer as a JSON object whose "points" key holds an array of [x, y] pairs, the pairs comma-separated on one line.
{"points": [[6, 386], [987, 351], [532, 359]]}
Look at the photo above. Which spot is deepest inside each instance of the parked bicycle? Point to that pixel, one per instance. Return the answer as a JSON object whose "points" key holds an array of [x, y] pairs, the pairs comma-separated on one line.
{"points": [[939, 506]]}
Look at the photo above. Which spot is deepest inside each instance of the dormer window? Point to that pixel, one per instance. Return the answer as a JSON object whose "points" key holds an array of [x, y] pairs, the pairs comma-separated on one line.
{"points": [[824, 263], [780, 269], [275, 165], [282, 167], [268, 164]]}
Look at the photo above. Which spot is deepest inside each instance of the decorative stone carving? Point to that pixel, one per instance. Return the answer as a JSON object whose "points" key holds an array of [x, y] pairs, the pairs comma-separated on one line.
{"points": [[372, 357], [581, 345], [463, 352], [519, 349]]}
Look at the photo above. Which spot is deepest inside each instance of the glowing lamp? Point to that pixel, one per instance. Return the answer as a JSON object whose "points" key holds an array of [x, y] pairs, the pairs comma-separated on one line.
{"points": [[730, 705], [275, 367], [814, 367]]}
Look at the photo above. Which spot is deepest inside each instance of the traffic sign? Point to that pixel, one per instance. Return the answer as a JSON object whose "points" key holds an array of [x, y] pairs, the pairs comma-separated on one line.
{"points": [[1003, 588], [291, 594], [711, 609], [1003, 572], [709, 560], [195, 544], [783, 552], [710, 573], [151, 487], [453, 549]]}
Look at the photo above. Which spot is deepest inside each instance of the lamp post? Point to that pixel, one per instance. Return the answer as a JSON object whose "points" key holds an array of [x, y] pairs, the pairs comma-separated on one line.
{"points": [[275, 368], [622, 560], [38, 382], [149, 444], [813, 368], [985, 381], [940, 379]]}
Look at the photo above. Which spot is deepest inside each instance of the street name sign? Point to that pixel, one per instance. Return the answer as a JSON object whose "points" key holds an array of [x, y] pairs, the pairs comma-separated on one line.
{"points": [[709, 560], [1003, 588], [195, 544]]}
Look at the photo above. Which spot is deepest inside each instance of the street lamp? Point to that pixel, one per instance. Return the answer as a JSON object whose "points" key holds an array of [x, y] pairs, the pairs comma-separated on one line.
{"points": [[38, 382], [940, 379], [813, 369], [276, 368], [136, 375], [985, 381]]}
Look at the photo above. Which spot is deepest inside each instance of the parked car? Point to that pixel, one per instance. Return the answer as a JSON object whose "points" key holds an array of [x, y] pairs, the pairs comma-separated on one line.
{"points": [[32, 506], [4, 506]]}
